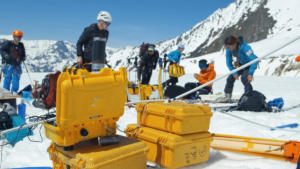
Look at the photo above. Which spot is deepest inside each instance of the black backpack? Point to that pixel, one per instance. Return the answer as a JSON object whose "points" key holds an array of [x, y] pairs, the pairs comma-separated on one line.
{"points": [[254, 101], [5, 121], [173, 91]]}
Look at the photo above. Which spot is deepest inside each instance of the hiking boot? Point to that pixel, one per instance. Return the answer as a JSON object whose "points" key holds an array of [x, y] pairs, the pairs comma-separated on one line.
{"points": [[225, 99]]}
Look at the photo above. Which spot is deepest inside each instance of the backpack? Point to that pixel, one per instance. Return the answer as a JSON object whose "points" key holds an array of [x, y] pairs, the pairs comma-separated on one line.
{"points": [[46, 92], [254, 101], [144, 48], [173, 91], [5, 121]]}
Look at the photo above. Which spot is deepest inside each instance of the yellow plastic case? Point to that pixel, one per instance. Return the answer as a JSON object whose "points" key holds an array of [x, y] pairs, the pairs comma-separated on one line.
{"points": [[176, 70], [170, 150], [133, 90], [88, 105], [129, 154], [175, 117], [146, 91]]}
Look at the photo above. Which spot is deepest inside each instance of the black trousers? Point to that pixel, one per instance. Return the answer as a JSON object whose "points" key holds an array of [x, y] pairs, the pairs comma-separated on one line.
{"points": [[203, 91], [172, 80], [244, 77], [146, 76]]}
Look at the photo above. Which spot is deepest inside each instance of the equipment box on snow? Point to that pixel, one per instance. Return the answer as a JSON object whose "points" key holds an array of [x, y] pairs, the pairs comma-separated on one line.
{"points": [[128, 154], [88, 105], [175, 117], [170, 150]]}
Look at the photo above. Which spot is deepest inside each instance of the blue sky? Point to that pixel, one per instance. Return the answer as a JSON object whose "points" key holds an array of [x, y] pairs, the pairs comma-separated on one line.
{"points": [[134, 21]]}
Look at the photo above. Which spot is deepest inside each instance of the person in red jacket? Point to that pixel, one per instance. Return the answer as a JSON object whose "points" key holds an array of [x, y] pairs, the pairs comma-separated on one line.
{"points": [[207, 73]]}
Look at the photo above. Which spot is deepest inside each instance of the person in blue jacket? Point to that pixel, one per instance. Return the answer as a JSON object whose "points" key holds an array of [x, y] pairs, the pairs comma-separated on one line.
{"points": [[174, 57], [238, 53]]}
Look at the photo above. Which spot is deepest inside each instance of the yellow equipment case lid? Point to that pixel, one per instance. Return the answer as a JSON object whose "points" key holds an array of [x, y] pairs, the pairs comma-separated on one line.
{"points": [[177, 109]]}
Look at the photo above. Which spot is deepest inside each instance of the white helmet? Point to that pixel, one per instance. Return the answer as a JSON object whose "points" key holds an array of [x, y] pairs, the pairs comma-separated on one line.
{"points": [[105, 16]]}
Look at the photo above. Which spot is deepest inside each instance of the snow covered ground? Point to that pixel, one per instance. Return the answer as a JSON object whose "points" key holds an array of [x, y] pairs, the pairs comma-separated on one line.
{"points": [[26, 153]]}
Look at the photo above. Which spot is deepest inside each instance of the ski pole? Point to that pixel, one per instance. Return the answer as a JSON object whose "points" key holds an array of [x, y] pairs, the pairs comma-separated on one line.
{"points": [[235, 70], [28, 73], [1, 71]]}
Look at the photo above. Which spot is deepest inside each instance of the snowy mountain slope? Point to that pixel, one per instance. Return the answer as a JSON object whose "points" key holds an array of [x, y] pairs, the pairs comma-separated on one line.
{"points": [[49, 55], [256, 20]]}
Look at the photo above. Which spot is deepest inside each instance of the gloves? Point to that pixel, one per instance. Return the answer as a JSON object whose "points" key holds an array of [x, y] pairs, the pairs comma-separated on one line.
{"points": [[6, 57], [236, 64]]}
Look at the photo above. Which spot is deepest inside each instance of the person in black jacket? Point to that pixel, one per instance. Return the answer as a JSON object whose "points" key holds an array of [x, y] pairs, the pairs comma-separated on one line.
{"points": [[147, 64], [13, 54], [85, 42]]}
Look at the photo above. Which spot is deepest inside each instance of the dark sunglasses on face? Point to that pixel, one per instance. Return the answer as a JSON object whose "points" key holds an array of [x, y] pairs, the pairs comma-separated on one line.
{"points": [[229, 46], [18, 36], [107, 23]]}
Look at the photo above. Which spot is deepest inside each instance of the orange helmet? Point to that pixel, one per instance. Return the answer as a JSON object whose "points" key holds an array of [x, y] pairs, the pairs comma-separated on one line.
{"points": [[17, 33], [298, 59]]}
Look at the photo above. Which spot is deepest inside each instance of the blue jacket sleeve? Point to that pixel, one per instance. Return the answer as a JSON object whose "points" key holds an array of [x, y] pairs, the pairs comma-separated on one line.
{"points": [[171, 56], [174, 56], [249, 53], [229, 61]]}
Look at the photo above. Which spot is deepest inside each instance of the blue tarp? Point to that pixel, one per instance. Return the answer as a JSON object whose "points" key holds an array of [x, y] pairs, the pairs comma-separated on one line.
{"points": [[18, 135]]}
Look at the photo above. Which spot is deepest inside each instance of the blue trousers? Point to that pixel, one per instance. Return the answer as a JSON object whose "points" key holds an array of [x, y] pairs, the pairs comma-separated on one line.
{"points": [[12, 76]]}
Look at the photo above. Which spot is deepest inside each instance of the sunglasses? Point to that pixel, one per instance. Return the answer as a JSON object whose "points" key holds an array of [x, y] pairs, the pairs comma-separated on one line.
{"points": [[107, 23], [18, 36], [229, 46]]}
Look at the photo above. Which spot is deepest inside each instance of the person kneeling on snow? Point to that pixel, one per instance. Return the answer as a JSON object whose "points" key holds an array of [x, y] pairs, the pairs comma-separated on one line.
{"points": [[207, 73], [238, 49], [13, 54]]}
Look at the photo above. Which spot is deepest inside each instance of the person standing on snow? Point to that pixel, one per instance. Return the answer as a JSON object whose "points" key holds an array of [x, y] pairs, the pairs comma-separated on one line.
{"points": [[207, 74], [13, 54], [174, 58], [148, 63], [93, 31], [238, 48]]}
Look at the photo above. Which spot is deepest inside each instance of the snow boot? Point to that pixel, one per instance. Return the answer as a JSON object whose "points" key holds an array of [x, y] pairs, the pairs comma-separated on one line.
{"points": [[225, 99]]}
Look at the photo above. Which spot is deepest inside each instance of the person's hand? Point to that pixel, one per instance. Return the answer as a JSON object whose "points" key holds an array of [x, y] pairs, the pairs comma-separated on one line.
{"points": [[79, 60], [250, 78], [196, 76], [236, 77], [18, 60], [6, 57]]}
